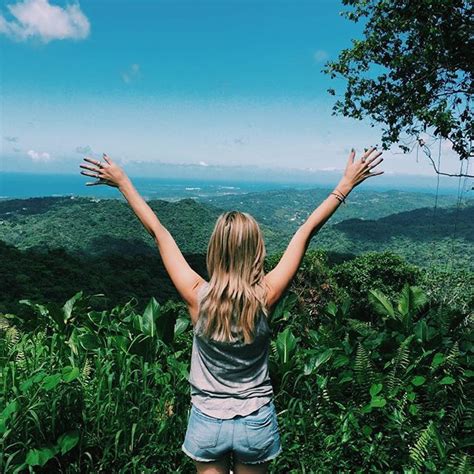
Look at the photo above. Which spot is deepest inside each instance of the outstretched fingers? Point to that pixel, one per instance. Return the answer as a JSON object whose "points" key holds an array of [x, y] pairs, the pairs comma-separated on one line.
{"points": [[90, 160], [91, 174], [373, 163], [89, 168], [350, 160], [367, 153], [371, 166], [374, 174]]}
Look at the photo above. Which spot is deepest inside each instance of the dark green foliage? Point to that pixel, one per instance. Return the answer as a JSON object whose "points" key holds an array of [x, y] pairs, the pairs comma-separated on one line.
{"points": [[401, 221], [45, 277], [49, 247], [385, 395], [412, 70], [384, 271], [87, 390], [86, 226]]}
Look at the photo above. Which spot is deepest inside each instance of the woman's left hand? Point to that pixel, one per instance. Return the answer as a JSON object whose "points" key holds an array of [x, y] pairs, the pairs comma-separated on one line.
{"points": [[107, 173]]}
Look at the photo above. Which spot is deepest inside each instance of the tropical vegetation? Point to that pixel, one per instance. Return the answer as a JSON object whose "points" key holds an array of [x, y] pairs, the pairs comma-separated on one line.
{"points": [[372, 372]]}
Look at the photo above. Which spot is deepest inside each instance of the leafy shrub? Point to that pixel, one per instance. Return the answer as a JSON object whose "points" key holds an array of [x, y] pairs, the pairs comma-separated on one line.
{"points": [[91, 391]]}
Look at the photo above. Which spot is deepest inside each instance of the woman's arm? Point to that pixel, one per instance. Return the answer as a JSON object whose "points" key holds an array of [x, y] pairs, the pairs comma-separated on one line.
{"points": [[184, 278], [281, 276], [141, 208]]}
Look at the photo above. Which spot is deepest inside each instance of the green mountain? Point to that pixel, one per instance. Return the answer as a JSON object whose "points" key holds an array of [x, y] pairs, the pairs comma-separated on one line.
{"points": [[90, 226], [403, 222], [290, 207]]}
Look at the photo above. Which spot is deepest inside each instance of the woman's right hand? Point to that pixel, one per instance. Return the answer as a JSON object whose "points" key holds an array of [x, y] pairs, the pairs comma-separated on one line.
{"points": [[359, 170]]}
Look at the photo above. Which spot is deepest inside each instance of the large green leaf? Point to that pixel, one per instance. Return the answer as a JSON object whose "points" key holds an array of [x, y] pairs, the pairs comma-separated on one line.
{"points": [[89, 341], [448, 380], [181, 325], [418, 380], [149, 318], [378, 402], [69, 306], [375, 389], [283, 308], [51, 381], [286, 345], [11, 408], [421, 330], [381, 303], [39, 457], [331, 308], [317, 360], [67, 441], [412, 299], [69, 373], [438, 359]]}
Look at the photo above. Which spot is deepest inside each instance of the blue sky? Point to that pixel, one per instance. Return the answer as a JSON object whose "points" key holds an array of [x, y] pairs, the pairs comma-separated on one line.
{"points": [[186, 82]]}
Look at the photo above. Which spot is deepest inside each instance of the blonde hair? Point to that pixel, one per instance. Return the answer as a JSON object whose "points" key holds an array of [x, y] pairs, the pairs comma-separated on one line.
{"points": [[237, 292]]}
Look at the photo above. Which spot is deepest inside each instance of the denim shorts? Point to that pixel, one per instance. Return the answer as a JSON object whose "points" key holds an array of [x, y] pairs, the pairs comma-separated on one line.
{"points": [[252, 439]]}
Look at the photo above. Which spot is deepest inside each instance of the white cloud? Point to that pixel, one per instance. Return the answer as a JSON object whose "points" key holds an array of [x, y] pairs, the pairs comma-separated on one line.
{"points": [[203, 163], [84, 150], [132, 73], [320, 55], [11, 139], [37, 156], [38, 18]]}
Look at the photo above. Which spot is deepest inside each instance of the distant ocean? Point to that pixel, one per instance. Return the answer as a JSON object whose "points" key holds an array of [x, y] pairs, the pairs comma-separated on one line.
{"points": [[26, 185]]}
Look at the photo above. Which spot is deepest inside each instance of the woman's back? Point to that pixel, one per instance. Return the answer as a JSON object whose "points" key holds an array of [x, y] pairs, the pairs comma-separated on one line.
{"points": [[230, 378]]}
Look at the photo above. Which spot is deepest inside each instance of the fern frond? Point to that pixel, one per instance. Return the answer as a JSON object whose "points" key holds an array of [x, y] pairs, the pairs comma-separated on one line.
{"points": [[12, 336], [397, 416], [364, 373], [325, 395], [4, 323], [364, 328], [274, 349], [467, 322], [451, 359], [455, 417], [460, 463], [419, 451], [86, 372], [400, 361], [402, 402]]}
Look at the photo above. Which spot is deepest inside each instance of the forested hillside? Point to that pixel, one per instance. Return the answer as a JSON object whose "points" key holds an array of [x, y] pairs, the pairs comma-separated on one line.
{"points": [[406, 223], [292, 206]]}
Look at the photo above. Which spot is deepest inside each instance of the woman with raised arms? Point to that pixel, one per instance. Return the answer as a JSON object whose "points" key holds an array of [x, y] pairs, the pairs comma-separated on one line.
{"points": [[232, 423]]}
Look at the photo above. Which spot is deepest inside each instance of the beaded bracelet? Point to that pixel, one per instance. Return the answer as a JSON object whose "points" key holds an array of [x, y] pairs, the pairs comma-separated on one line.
{"points": [[342, 194], [341, 199]]}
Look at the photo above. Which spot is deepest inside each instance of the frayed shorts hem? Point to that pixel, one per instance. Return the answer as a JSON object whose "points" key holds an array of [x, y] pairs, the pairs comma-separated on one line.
{"points": [[270, 458], [196, 458], [192, 456]]}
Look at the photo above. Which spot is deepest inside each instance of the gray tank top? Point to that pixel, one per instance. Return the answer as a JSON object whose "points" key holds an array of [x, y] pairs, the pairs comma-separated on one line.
{"points": [[229, 379]]}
